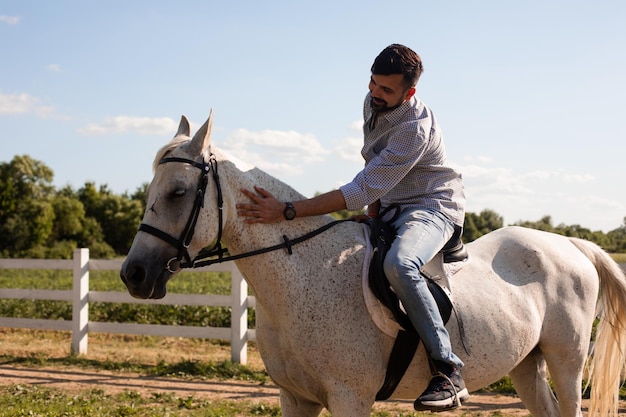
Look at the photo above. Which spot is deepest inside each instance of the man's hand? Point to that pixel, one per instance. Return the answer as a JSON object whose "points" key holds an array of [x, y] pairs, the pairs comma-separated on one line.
{"points": [[360, 218], [264, 207]]}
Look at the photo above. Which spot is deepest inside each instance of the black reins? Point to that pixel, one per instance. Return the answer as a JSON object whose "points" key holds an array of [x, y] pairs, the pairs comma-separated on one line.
{"points": [[183, 259]]}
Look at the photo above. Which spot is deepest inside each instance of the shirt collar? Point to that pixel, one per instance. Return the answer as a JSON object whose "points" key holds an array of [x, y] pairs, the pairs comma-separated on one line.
{"points": [[396, 115]]}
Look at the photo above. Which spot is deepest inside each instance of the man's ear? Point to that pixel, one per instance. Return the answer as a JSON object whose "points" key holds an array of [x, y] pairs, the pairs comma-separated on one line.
{"points": [[410, 93]]}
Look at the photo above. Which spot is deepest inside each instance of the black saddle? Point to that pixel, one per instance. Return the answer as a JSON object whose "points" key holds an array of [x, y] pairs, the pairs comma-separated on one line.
{"points": [[382, 234]]}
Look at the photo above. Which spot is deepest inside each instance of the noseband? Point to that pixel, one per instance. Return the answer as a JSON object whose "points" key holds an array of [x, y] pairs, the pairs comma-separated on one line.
{"points": [[183, 259]]}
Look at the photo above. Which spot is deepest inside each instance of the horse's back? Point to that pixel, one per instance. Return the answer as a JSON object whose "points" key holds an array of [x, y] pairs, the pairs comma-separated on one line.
{"points": [[543, 269], [531, 254]]}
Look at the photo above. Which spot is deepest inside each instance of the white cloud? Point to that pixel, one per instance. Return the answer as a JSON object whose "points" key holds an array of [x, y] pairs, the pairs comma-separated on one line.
{"points": [[558, 175], [11, 20], [123, 124], [480, 159], [349, 149], [24, 104], [53, 68], [357, 125], [281, 142], [278, 152], [520, 195]]}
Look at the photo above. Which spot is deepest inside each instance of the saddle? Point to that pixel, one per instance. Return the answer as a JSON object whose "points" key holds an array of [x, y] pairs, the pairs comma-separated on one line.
{"points": [[382, 235]]}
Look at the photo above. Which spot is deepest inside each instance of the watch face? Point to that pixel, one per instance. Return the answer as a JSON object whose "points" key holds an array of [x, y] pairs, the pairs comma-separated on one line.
{"points": [[290, 211]]}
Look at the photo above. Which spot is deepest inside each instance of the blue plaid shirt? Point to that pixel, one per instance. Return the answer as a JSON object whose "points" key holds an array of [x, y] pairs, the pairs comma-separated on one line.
{"points": [[405, 164]]}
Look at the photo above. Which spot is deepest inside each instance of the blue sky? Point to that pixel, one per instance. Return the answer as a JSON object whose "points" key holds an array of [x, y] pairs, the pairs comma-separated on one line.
{"points": [[530, 95]]}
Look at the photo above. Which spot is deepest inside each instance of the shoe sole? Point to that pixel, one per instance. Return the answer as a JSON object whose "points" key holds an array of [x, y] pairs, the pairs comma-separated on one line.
{"points": [[442, 405]]}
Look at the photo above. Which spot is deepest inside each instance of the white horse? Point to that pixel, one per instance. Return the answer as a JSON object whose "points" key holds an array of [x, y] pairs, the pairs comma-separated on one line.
{"points": [[528, 298]]}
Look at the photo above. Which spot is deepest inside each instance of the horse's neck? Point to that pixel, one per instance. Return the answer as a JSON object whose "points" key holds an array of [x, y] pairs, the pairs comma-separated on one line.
{"points": [[265, 273]]}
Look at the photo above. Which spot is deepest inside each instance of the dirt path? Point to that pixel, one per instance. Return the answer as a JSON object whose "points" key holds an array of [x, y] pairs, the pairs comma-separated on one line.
{"points": [[79, 379]]}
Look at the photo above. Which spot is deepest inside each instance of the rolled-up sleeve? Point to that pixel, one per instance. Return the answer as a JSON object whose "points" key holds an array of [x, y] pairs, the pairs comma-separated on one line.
{"points": [[354, 196]]}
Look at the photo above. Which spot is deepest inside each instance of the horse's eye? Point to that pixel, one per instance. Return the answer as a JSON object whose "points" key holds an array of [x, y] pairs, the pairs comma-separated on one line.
{"points": [[178, 193]]}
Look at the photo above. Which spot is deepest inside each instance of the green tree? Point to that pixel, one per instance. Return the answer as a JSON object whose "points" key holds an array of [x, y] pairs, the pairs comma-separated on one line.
{"points": [[617, 238], [545, 224], [476, 225], [118, 216], [70, 216], [72, 229], [26, 213], [140, 195]]}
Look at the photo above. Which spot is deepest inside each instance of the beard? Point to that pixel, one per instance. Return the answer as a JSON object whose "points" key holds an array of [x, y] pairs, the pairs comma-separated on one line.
{"points": [[381, 106]]}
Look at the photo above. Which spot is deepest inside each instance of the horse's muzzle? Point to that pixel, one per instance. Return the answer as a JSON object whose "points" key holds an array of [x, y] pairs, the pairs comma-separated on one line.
{"points": [[137, 279]]}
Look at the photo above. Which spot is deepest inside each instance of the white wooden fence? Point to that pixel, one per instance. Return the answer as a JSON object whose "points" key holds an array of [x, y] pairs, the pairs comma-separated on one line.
{"points": [[80, 296]]}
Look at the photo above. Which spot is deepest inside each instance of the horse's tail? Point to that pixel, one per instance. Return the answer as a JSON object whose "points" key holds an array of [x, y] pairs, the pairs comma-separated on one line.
{"points": [[610, 344]]}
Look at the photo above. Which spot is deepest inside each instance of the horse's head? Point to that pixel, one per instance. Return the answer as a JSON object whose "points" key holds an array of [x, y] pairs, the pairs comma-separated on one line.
{"points": [[185, 171]]}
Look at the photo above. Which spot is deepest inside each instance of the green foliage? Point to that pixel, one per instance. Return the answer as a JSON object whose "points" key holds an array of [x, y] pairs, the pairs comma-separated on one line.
{"points": [[614, 241], [477, 225], [617, 239], [38, 222], [118, 216], [26, 215]]}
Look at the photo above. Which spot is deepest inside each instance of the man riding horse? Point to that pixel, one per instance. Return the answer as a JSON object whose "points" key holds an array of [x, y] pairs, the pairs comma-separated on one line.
{"points": [[405, 165]]}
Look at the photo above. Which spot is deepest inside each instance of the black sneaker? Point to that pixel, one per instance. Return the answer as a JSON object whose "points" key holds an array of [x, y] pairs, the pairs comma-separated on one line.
{"points": [[446, 391]]}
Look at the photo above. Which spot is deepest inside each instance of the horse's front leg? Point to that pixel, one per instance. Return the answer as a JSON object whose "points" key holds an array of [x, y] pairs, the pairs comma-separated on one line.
{"points": [[343, 403], [350, 403], [291, 406]]}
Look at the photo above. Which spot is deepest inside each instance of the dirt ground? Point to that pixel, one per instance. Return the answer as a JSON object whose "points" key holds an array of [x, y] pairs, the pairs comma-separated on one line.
{"points": [[79, 379]]}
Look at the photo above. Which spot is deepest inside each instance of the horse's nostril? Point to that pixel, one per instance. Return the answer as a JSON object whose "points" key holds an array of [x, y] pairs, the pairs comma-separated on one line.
{"points": [[133, 274]]}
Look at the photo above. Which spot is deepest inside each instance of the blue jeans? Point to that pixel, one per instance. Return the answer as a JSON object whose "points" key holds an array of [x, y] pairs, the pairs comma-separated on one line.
{"points": [[421, 233]]}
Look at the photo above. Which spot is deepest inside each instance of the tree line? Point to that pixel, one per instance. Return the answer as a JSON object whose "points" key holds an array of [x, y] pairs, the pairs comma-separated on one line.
{"points": [[39, 221]]}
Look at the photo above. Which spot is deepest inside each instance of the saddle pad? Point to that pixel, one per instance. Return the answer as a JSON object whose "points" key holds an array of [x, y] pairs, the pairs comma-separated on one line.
{"points": [[435, 269], [381, 315]]}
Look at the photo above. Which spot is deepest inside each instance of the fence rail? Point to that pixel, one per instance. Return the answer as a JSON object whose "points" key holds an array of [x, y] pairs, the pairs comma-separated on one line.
{"points": [[80, 297]]}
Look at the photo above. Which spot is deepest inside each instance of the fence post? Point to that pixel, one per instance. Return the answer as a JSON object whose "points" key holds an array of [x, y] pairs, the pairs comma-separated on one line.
{"points": [[239, 318], [80, 302]]}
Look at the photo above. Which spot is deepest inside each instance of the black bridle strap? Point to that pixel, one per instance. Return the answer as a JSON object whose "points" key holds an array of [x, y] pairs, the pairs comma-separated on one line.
{"points": [[201, 260], [160, 234]]}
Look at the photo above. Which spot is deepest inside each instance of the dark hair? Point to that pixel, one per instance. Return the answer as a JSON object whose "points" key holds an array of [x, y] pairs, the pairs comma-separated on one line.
{"points": [[398, 59]]}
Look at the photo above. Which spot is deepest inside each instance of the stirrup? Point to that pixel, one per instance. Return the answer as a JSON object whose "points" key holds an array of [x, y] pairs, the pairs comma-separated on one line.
{"points": [[456, 399]]}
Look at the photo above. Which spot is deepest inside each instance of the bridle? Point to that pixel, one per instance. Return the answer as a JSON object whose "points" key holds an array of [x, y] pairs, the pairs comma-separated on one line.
{"points": [[183, 259]]}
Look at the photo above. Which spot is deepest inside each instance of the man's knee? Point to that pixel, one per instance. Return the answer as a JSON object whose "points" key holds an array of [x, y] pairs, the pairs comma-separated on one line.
{"points": [[399, 271]]}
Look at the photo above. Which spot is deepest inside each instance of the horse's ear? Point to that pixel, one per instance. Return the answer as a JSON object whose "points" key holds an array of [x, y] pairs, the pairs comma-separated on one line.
{"points": [[183, 127], [202, 139]]}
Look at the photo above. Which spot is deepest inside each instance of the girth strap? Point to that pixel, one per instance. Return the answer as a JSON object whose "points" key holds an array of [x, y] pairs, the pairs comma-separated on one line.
{"points": [[407, 342], [401, 356]]}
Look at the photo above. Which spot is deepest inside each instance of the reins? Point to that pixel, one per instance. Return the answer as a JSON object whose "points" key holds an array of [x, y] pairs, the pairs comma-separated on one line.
{"points": [[183, 260], [199, 261]]}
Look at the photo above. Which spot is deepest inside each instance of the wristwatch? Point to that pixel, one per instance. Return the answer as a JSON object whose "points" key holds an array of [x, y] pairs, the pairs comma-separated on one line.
{"points": [[290, 211]]}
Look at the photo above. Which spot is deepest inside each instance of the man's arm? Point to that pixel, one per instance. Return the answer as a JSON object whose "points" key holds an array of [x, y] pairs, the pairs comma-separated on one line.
{"points": [[265, 208]]}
